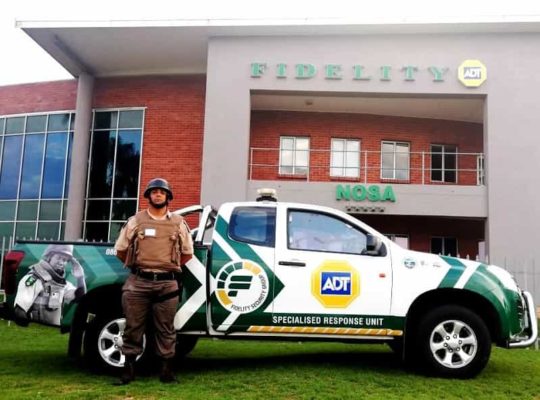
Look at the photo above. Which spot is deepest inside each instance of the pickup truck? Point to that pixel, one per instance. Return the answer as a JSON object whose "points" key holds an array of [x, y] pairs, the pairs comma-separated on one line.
{"points": [[282, 271]]}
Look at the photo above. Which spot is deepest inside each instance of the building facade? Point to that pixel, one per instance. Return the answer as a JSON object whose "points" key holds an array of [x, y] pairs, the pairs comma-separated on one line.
{"points": [[427, 133]]}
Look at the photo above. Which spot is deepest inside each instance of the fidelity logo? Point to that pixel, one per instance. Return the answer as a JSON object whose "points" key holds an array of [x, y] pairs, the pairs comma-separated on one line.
{"points": [[242, 286]]}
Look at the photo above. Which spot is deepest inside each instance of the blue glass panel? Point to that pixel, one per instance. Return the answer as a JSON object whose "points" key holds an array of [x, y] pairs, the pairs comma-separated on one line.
{"points": [[68, 170], [9, 176], [6, 229], [15, 125], [58, 122], [101, 164], [31, 172], [53, 174], [48, 230], [36, 123], [27, 210], [128, 157], [7, 210], [130, 119], [25, 230], [50, 210], [106, 120]]}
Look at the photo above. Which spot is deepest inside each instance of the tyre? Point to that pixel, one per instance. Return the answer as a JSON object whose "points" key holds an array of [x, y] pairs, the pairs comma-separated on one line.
{"points": [[452, 341], [103, 341], [185, 344]]}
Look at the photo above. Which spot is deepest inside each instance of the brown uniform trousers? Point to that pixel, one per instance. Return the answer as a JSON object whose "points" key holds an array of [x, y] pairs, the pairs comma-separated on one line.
{"points": [[138, 300]]}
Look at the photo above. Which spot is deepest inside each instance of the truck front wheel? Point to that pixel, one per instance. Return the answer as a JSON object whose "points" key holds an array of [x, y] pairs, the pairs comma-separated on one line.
{"points": [[102, 343], [453, 341]]}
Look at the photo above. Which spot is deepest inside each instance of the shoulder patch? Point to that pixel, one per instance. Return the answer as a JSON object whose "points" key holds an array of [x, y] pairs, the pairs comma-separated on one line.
{"points": [[30, 280]]}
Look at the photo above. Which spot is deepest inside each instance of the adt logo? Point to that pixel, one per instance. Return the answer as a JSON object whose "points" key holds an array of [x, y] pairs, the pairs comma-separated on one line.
{"points": [[335, 283], [338, 283], [472, 73]]}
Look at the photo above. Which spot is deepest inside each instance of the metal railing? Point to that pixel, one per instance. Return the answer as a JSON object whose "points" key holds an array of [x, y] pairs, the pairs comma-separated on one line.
{"points": [[367, 166]]}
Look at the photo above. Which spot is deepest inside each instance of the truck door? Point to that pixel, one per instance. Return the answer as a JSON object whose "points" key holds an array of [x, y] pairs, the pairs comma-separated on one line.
{"points": [[328, 278], [241, 268]]}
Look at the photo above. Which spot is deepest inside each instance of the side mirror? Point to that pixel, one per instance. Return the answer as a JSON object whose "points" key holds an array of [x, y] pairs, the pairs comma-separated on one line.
{"points": [[374, 246]]}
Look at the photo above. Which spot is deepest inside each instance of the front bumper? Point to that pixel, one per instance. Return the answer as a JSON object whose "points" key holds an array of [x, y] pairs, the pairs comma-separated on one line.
{"points": [[532, 324]]}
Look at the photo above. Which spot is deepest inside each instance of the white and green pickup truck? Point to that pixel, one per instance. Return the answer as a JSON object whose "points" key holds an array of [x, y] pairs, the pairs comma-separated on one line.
{"points": [[275, 270]]}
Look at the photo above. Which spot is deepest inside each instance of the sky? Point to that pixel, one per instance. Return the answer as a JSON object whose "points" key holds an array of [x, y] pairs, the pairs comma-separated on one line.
{"points": [[23, 61]]}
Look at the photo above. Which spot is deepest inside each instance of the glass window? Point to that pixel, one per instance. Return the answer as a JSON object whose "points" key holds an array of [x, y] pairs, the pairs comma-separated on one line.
{"points": [[102, 164], [123, 209], [97, 231], [2, 124], [395, 160], [6, 229], [130, 119], [48, 230], [28, 210], [307, 230], [105, 120], [15, 125], [446, 246], [9, 177], [255, 225], [59, 122], [49, 210], [98, 210], [53, 171], [294, 155], [443, 163], [31, 170], [115, 230], [25, 230], [345, 158], [68, 163], [128, 155], [36, 123], [7, 210]]}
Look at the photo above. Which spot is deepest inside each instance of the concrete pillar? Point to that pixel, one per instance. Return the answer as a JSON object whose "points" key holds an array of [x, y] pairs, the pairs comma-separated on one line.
{"points": [[79, 158]]}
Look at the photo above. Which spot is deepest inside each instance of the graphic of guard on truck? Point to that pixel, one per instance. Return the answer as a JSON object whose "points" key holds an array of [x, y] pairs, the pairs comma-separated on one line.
{"points": [[276, 270]]}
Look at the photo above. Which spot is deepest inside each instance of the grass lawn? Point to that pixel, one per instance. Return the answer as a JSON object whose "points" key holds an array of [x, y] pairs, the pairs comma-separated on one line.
{"points": [[34, 365]]}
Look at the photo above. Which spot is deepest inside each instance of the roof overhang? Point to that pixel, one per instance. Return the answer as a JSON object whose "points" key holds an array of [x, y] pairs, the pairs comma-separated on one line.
{"points": [[119, 48]]}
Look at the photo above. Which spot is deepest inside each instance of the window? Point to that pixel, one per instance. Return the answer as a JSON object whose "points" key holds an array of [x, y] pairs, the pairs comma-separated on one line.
{"points": [[402, 240], [293, 155], [313, 231], [446, 246], [443, 163], [113, 175], [255, 225], [345, 158], [34, 174], [395, 160]]}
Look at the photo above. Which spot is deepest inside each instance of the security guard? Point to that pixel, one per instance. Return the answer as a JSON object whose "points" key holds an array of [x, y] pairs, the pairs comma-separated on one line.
{"points": [[44, 290], [154, 244]]}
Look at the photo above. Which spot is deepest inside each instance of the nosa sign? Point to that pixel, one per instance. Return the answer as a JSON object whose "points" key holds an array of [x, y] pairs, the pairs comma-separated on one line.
{"points": [[360, 193]]}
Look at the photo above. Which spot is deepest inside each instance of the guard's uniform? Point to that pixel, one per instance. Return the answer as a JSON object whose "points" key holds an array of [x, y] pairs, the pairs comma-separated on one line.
{"points": [[154, 251], [42, 294]]}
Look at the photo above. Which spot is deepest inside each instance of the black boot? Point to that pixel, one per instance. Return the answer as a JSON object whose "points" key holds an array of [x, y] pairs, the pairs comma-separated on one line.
{"points": [[128, 372], [166, 374]]}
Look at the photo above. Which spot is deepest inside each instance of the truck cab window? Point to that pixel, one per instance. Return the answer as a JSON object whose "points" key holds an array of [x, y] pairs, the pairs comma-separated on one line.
{"points": [[254, 225], [321, 232]]}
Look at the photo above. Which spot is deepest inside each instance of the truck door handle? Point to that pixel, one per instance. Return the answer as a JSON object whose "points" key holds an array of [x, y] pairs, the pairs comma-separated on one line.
{"points": [[293, 263]]}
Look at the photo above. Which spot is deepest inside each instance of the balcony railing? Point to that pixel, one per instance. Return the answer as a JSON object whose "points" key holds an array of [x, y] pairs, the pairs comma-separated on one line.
{"points": [[426, 168]]}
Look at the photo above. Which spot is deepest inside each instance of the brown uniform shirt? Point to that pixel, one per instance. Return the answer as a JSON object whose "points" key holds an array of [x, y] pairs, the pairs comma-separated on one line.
{"points": [[128, 231]]}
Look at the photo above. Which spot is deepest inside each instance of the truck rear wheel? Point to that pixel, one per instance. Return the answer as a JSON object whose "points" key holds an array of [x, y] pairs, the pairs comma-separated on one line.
{"points": [[103, 341], [453, 342]]}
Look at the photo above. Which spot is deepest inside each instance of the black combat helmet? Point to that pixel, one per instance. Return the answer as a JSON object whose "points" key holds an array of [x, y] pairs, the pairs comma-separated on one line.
{"points": [[158, 183]]}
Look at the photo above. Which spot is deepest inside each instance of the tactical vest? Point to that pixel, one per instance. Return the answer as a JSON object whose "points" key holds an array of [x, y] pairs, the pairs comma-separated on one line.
{"points": [[157, 243]]}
